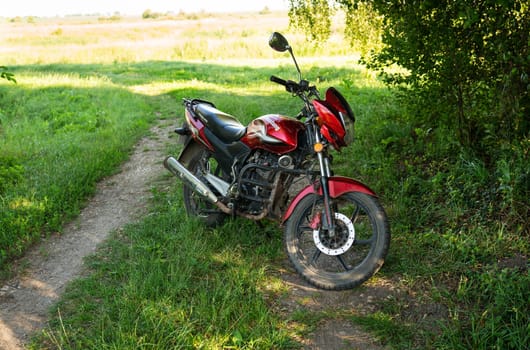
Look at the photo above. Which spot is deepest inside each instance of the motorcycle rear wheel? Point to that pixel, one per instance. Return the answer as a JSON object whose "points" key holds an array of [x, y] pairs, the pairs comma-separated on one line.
{"points": [[349, 256], [195, 204]]}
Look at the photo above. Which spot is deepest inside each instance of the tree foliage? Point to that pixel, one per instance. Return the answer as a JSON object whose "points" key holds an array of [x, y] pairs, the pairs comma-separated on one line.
{"points": [[363, 24], [467, 61], [465, 78], [313, 15]]}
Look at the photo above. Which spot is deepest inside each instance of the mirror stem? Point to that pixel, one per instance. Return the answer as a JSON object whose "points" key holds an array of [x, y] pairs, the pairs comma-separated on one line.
{"points": [[295, 63]]}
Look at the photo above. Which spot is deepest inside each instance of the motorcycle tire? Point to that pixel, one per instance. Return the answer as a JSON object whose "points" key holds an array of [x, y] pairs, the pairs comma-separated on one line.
{"points": [[196, 205], [347, 257]]}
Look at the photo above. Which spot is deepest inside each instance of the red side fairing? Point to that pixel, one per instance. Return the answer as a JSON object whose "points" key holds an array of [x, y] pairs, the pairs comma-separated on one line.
{"points": [[197, 130], [274, 133], [339, 103], [330, 125], [335, 118], [338, 185]]}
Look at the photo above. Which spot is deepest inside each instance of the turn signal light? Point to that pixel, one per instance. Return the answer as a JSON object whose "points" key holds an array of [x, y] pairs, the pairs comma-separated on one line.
{"points": [[318, 147]]}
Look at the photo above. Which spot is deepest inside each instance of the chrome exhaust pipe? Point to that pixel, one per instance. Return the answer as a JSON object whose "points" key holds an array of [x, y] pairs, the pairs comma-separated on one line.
{"points": [[176, 168]]}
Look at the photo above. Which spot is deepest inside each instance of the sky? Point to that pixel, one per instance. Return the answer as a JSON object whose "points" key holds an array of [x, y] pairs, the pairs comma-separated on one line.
{"points": [[50, 8]]}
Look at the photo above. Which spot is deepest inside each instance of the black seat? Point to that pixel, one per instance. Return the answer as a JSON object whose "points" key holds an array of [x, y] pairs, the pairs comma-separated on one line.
{"points": [[223, 125]]}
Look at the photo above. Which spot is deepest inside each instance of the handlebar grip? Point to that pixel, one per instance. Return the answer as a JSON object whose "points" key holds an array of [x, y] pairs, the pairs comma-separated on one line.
{"points": [[277, 80]]}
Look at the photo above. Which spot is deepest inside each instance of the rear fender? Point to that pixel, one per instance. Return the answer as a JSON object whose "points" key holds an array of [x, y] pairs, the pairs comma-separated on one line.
{"points": [[338, 185], [191, 148]]}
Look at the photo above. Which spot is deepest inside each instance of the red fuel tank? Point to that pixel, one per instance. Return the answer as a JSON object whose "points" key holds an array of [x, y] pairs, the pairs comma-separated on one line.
{"points": [[274, 133]]}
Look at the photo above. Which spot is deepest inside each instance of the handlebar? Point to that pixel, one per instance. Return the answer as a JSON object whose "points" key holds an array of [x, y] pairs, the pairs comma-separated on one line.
{"points": [[294, 87], [302, 90], [290, 85], [277, 80]]}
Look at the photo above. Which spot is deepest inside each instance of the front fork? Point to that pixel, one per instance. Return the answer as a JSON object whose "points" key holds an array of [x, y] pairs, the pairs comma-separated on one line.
{"points": [[325, 174]]}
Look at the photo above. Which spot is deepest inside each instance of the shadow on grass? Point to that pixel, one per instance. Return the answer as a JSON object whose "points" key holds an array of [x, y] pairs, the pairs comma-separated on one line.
{"points": [[126, 74], [67, 137]]}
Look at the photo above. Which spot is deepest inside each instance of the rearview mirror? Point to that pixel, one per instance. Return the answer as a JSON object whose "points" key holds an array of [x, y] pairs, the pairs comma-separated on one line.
{"points": [[278, 42]]}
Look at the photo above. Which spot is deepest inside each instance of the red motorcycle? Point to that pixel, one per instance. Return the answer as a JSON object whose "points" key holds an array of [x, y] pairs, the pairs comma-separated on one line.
{"points": [[336, 231]]}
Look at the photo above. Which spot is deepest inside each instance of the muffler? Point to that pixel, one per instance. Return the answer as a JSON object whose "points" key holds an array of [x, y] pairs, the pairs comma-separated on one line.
{"points": [[197, 185], [176, 168]]}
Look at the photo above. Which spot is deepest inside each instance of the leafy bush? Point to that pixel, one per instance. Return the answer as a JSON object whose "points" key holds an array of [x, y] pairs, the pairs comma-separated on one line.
{"points": [[467, 62], [466, 69], [148, 14]]}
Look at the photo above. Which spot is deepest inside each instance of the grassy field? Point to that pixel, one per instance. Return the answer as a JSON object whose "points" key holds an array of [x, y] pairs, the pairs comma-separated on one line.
{"points": [[80, 82], [88, 90]]}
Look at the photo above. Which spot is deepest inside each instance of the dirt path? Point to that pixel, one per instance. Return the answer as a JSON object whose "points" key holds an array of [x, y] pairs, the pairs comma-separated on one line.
{"points": [[335, 331], [121, 199]]}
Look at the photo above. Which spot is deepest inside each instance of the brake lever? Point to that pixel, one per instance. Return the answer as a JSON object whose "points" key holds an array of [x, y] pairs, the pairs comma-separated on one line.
{"points": [[313, 91]]}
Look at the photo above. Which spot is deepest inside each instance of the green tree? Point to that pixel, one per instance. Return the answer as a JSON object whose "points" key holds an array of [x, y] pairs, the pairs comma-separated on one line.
{"points": [[313, 16], [467, 61], [148, 14], [363, 24]]}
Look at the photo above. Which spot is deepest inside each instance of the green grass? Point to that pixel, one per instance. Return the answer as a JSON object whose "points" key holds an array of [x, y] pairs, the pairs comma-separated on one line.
{"points": [[167, 282], [156, 285], [60, 134]]}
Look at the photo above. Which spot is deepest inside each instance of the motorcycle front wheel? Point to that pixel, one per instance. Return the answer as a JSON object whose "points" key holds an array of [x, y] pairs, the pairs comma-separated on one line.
{"points": [[342, 258]]}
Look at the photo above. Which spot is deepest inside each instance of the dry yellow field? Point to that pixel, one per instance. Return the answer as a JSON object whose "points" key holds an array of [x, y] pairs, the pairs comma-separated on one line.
{"points": [[89, 40]]}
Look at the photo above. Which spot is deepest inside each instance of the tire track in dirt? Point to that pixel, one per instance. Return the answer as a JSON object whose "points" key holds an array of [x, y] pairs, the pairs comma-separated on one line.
{"points": [[49, 266]]}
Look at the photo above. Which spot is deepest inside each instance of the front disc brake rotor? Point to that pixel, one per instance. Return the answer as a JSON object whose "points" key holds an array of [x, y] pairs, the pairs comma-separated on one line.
{"points": [[340, 241]]}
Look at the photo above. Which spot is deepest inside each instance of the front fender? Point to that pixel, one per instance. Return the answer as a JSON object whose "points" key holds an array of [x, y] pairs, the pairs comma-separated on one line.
{"points": [[338, 185]]}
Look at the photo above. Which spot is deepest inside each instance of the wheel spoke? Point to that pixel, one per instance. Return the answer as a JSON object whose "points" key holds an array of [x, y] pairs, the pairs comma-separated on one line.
{"points": [[363, 241], [343, 263], [354, 215], [316, 255]]}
